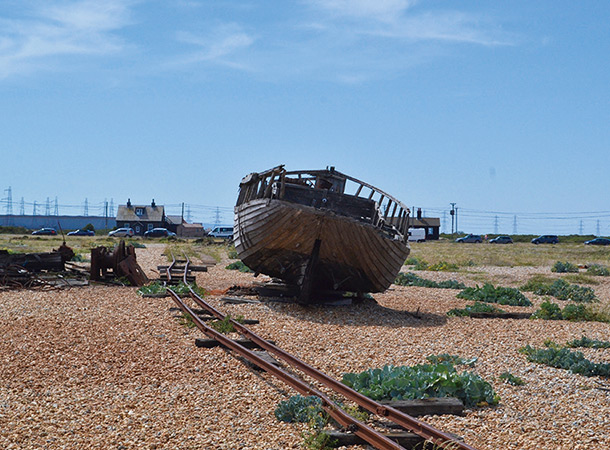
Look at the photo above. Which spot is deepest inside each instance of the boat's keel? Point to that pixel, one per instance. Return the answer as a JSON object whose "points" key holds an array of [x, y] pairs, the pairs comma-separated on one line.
{"points": [[307, 283]]}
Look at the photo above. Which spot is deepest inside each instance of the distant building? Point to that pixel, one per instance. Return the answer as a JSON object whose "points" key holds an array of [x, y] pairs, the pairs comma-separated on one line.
{"points": [[432, 225], [178, 225], [141, 217]]}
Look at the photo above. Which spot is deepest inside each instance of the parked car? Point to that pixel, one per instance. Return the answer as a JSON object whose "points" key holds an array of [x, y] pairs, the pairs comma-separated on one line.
{"points": [[470, 239], [546, 239], [222, 232], [598, 241], [81, 233], [159, 232], [501, 240], [122, 232], [45, 232]]}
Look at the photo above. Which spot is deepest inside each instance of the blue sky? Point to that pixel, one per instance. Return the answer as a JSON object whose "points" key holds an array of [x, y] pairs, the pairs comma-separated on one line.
{"points": [[500, 107]]}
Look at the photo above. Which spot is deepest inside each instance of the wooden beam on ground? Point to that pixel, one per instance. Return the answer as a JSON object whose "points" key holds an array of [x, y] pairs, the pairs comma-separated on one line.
{"points": [[427, 406], [211, 343], [405, 439]]}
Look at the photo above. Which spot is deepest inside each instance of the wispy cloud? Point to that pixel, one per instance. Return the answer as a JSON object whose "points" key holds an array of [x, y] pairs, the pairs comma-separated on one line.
{"points": [[218, 46], [51, 30]]}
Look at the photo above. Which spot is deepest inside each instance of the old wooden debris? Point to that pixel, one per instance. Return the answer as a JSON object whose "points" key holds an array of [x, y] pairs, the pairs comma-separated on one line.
{"points": [[211, 343], [237, 300], [504, 315], [404, 438], [22, 270], [263, 355], [427, 406]]}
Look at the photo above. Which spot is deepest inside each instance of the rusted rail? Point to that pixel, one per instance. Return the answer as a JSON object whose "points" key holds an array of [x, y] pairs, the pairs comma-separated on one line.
{"points": [[360, 429], [439, 438]]}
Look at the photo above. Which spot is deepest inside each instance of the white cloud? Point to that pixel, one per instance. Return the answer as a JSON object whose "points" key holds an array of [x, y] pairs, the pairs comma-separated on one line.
{"points": [[63, 28], [217, 46]]}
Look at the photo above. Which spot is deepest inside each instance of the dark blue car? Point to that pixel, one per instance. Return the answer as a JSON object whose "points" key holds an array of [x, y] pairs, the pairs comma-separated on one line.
{"points": [[598, 241], [81, 233], [546, 239], [45, 232]]}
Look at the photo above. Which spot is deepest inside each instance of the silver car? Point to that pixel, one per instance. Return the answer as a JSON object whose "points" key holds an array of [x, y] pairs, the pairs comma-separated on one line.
{"points": [[122, 232]]}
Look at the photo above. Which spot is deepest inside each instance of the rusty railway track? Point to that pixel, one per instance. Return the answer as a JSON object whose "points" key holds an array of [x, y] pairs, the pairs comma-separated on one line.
{"points": [[372, 436]]}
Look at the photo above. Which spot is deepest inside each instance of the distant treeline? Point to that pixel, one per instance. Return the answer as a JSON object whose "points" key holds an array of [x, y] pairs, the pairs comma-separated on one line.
{"points": [[571, 238]]}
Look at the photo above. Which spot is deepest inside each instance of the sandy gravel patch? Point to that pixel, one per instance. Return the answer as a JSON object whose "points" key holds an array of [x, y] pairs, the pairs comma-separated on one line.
{"points": [[101, 368]]}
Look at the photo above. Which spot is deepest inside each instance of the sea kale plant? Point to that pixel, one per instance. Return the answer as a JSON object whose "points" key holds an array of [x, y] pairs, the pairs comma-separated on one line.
{"points": [[562, 290], [410, 279], [563, 267], [490, 294], [476, 307], [422, 381], [563, 358]]}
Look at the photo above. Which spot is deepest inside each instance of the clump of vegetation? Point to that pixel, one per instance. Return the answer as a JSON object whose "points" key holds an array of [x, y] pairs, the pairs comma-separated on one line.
{"points": [[154, 288], [598, 270], [187, 321], [562, 290], [585, 342], [490, 294], [411, 261], [451, 359], [422, 381], [232, 253], [410, 279], [476, 307], [572, 312], [225, 326], [239, 265], [318, 439], [563, 358], [509, 378], [184, 289], [441, 266], [563, 267], [300, 409]]}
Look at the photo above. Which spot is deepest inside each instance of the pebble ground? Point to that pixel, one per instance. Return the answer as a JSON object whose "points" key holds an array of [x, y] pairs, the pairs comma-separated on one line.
{"points": [[99, 367]]}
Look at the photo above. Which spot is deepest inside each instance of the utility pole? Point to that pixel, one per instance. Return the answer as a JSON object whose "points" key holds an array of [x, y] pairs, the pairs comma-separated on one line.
{"points": [[105, 214], [86, 209], [452, 212], [182, 216], [496, 225], [9, 201], [580, 228], [515, 224]]}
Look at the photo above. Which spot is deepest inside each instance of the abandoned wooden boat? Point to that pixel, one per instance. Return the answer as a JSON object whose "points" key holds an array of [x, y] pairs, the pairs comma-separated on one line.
{"points": [[304, 228]]}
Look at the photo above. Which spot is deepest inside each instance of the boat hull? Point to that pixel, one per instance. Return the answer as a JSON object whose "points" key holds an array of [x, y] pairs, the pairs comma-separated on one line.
{"points": [[279, 238]]}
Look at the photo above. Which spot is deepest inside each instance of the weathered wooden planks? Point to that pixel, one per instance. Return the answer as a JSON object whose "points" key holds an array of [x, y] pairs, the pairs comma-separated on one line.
{"points": [[277, 237]]}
